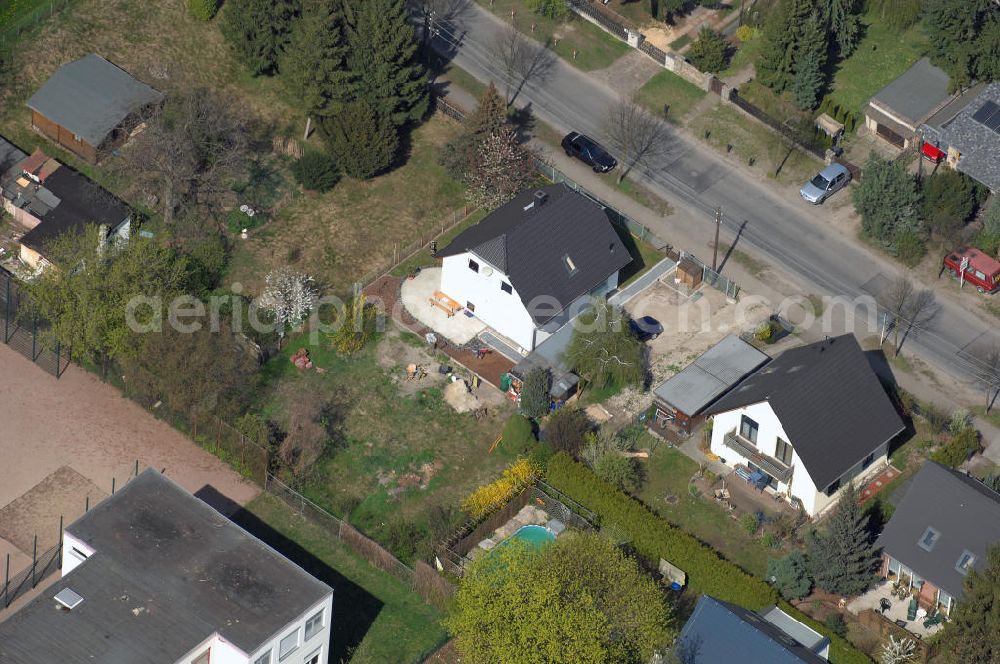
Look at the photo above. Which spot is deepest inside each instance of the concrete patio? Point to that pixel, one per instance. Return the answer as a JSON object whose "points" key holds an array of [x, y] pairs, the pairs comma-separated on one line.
{"points": [[416, 295], [896, 612]]}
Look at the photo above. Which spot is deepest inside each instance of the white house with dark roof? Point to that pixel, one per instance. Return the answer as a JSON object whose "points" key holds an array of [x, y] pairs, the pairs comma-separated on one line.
{"points": [[527, 267], [808, 423], [939, 532], [153, 575]]}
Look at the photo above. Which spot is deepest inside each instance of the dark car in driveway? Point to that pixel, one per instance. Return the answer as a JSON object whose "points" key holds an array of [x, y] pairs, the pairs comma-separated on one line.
{"points": [[646, 328], [588, 151]]}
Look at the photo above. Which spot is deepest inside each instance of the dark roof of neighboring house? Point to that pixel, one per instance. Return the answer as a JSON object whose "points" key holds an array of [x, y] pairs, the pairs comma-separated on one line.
{"points": [[10, 155], [530, 245], [720, 633], [168, 572], [90, 97], [718, 369], [964, 512], [829, 402], [916, 94], [81, 201], [978, 145]]}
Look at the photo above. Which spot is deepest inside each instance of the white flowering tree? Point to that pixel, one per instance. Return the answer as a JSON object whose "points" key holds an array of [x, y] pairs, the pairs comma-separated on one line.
{"points": [[501, 169], [898, 652], [289, 296]]}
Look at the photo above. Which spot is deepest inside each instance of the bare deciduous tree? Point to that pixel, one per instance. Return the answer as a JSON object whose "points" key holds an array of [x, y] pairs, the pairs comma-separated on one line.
{"points": [[635, 135], [908, 309], [898, 652], [189, 151], [521, 59]]}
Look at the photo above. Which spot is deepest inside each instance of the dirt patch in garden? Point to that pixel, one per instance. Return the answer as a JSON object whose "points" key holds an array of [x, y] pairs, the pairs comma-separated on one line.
{"points": [[397, 355]]}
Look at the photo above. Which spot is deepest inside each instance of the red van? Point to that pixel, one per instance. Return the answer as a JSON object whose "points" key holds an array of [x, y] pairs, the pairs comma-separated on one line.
{"points": [[981, 270]]}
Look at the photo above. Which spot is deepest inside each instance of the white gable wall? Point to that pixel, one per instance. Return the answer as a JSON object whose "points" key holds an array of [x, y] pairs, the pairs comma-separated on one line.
{"points": [[801, 486], [502, 311]]}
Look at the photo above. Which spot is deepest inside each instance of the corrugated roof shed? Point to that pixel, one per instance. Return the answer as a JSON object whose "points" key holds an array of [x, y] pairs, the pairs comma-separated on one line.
{"points": [[961, 509], [531, 244], [90, 97], [717, 370], [168, 572], [829, 401]]}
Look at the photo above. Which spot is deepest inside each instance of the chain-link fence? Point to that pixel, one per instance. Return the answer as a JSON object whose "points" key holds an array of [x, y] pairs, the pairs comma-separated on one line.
{"points": [[713, 278], [25, 332]]}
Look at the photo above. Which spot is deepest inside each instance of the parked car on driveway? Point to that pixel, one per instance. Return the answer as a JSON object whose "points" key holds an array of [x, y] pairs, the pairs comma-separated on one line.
{"points": [[588, 151], [646, 328], [832, 178]]}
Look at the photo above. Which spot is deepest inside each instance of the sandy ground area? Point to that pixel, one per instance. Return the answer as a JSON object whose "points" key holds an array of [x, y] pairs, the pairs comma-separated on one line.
{"points": [[64, 493], [417, 293], [86, 426]]}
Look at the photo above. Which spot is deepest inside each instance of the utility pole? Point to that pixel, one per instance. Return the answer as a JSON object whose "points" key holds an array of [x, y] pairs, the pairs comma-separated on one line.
{"points": [[715, 246]]}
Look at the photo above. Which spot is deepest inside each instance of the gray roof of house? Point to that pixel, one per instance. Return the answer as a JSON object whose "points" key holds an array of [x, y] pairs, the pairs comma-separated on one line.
{"points": [[829, 401], [962, 509], [90, 97], [530, 246], [168, 572], [719, 632], [718, 369], [978, 145], [10, 155], [916, 93]]}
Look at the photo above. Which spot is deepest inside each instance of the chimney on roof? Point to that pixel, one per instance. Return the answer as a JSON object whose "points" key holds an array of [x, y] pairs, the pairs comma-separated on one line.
{"points": [[540, 197], [67, 599]]}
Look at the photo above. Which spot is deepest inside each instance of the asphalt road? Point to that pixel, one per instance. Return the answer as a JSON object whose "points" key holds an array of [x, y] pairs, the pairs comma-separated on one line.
{"points": [[693, 177]]}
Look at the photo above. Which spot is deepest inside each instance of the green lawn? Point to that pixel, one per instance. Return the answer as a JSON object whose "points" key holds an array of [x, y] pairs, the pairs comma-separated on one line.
{"points": [[593, 48], [377, 618], [423, 258], [882, 55], [730, 132], [745, 55], [16, 14], [667, 474], [668, 90]]}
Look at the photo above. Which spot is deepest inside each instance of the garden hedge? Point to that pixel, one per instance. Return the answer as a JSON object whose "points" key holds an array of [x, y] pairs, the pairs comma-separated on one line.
{"points": [[654, 538]]}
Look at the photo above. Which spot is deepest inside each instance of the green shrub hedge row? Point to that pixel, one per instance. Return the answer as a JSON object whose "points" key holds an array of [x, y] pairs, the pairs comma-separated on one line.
{"points": [[654, 538]]}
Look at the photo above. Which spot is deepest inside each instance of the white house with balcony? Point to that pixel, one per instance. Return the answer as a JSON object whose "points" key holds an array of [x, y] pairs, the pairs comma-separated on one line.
{"points": [[154, 575], [526, 268], [808, 423]]}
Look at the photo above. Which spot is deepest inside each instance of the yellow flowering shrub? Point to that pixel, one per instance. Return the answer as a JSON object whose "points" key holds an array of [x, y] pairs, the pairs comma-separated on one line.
{"points": [[490, 496]]}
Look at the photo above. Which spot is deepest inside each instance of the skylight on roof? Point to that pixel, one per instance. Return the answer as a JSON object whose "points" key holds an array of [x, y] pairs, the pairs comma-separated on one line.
{"points": [[928, 539], [68, 598], [965, 562], [570, 265]]}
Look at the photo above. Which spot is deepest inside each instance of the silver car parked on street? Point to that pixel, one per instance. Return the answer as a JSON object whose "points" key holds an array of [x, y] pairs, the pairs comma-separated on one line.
{"points": [[830, 179]]}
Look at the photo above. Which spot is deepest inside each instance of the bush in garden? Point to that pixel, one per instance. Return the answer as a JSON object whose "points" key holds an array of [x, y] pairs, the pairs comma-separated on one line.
{"points": [[203, 10], [518, 435], [565, 430], [316, 171], [959, 448], [535, 393], [790, 575], [749, 523], [491, 496]]}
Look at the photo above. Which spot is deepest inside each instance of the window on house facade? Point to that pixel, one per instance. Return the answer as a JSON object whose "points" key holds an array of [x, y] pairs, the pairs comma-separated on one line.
{"points": [[928, 539], [470, 306], [314, 625], [965, 562], [473, 265], [783, 452], [288, 645], [748, 429], [263, 659], [868, 461], [313, 658], [833, 488], [202, 658], [506, 288]]}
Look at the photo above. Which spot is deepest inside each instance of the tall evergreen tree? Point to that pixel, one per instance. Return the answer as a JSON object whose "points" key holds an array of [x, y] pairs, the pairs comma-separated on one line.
{"points": [[842, 561], [782, 34], [384, 56], [314, 62], [362, 139], [490, 115], [257, 31], [954, 27], [840, 18], [811, 57], [973, 631]]}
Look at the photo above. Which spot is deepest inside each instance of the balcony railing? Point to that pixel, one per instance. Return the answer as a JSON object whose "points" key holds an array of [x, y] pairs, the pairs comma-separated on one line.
{"points": [[769, 465]]}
